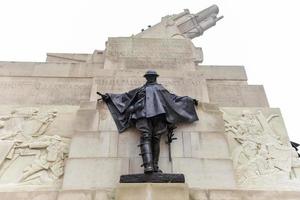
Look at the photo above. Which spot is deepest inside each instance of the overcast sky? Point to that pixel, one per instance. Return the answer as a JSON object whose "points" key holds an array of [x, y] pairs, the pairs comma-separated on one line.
{"points": [[262, 35]]}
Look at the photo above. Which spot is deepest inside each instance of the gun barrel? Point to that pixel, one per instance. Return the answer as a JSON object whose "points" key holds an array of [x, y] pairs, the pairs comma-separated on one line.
{"points": [[219, 18], [202, 15]]}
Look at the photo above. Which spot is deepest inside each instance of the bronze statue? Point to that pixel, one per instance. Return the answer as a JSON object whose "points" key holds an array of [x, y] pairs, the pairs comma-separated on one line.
{"points": [[154, 111]]}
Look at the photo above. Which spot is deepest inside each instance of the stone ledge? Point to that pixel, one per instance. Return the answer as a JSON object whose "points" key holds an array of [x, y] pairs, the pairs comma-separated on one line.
{"points": [[152, 191], [241, 194], [160, 190], [214, 72]]}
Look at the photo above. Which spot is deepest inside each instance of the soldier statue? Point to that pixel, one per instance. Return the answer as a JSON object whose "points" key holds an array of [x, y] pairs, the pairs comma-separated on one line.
{"points": [[154, 111]]}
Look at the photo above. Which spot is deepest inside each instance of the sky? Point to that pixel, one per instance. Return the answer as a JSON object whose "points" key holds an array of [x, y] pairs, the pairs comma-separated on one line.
{"points": [[262, 35]]}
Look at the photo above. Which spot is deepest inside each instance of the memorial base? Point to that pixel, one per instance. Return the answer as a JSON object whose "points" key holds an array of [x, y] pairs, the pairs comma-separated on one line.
{"points": [[152, 191]]}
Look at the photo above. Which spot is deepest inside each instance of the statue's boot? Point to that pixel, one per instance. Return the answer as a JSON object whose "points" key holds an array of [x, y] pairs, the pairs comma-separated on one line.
{"points": [[156, 151], [146, 153]]}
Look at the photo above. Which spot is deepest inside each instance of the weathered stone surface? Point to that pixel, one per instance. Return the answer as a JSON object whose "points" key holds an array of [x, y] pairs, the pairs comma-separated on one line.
{"points": [[91, 173], [41, 69], [210, 120], [57, 91], [5, 148], [212, 72], [205, 145], [86, 120], [206, 173], [104, 195], [94, 69], [196, 194], [67, 57], [100, 144], [140, 53], [149, 191], [75, 195], [29, 195], [88, 105], [237, 95]]}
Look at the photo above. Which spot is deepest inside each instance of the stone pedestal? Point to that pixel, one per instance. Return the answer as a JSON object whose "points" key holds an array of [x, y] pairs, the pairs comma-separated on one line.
{"points": [[152, 191]]}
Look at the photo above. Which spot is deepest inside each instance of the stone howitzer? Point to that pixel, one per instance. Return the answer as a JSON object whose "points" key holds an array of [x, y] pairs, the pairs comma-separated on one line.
{"points": [[183, 25]]}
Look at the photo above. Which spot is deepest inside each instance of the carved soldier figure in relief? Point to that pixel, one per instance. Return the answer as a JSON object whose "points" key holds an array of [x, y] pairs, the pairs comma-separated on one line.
{"points": [[259, 154], [48, 152], [154, 111]]}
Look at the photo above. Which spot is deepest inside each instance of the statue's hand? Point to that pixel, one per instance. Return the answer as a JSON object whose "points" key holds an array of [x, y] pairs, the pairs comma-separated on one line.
{"points": [[195, 102], [130, 109], [104, 97]]}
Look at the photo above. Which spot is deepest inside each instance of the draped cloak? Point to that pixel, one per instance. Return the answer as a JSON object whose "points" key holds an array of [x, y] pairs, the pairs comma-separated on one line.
{"points": [[156, 100]]}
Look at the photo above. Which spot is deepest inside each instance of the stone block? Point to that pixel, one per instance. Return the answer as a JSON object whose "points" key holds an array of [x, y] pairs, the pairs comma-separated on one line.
{"points": [[210, 120], [253, 194], [152, 191], [75, 195], [100, 144], [140, 53], [63, 125], [67, 57], [104, 195], [96, 57], [226, 82], [88, 105], [42, 90], [128, 144], [94, 173], [239, 194], [32, 195], [237, 95], [205, 145], [106, 122], [87, 120], [41, 69], [16, 68], [198, 194], [206, 173], [213, 72]]}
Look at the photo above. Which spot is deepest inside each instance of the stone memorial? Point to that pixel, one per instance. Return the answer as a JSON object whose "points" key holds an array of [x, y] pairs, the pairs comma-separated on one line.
{"points": [[57, 142]]}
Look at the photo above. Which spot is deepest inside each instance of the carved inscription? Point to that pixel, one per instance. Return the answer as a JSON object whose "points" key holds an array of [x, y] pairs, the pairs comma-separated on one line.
{"points": [[160, 48], [237, 95], [181, 86], [23, 90]]}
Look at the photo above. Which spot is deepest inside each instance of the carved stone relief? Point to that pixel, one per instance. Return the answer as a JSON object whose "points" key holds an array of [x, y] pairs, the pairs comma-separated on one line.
{"points": [[28, 155], [260, 149]]}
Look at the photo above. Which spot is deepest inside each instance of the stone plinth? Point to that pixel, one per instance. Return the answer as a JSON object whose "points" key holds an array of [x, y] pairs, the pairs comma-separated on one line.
{"points": [[151, 191]]}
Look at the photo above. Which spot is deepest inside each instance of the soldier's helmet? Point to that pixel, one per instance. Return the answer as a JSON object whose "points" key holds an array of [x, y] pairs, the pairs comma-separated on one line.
{"points": [[151, 73]]}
